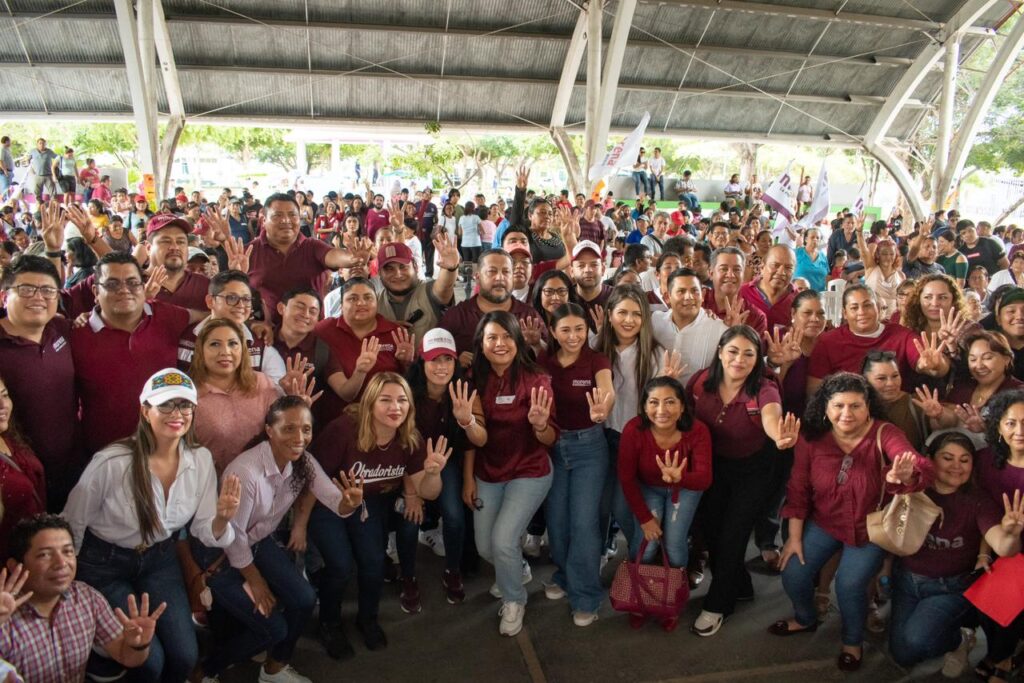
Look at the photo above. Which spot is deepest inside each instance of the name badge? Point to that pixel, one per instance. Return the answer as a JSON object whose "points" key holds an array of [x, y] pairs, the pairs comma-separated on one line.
{"points": [[504, 400]]}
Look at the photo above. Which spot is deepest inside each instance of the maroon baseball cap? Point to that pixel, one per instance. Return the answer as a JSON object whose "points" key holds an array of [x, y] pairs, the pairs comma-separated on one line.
{"points": [[520, 249], [394, 252], [140, 198], [167, 220]]}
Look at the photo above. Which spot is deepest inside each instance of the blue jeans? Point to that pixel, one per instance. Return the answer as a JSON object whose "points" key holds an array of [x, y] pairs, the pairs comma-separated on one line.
{"points": [[252, 632], [639, 182], [691, 200], [857, 567], [573, 512], [653, 182], [453, 514], [500, 523], [675, 523], [5, 184], [613, 501], [926, 617], [119, 572]]}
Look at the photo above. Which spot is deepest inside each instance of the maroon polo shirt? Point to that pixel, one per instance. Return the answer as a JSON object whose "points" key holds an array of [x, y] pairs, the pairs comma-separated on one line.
{"points": [[274, 273], [778, 315], [840, 350], [111, 367], [41, 380], [375, 220], [306, 348], [187, 347], [345, 348], [461, 320], [572, 384], [756, 319], [736, 428], [191, 293], [598, 301], [79, 298], [513, 451]]}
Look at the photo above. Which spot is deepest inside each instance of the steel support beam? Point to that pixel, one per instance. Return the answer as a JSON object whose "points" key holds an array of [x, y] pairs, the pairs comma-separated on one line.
{"points": [[981, 102], [610, 78], [595, 19], [571, 66], [904, 180], [571, 160], [175, 101], [144, 114], [947, 99]]}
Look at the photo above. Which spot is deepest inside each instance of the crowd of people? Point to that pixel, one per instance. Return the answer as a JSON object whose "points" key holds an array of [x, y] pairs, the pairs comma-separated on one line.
{"points": [[215, 414]]}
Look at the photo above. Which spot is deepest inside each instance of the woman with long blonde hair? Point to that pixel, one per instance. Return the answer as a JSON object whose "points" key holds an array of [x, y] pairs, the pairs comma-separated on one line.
{"points": [[376, 442]]}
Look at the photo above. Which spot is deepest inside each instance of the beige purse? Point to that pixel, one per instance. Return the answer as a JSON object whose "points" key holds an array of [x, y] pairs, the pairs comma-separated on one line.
{"points": [[902, 526]]}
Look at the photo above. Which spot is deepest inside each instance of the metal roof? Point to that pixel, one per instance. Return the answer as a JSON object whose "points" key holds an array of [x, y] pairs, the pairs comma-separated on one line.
{"points": [[788, 69]]}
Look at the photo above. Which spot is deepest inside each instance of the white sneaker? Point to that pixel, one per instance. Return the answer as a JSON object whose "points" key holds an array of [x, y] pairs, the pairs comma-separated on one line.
{"points": [[552, 591], [511, 614], [433, 540], [211, 679], [392, 550], [285, 675], [584, 619], [707, 623], [531, 546], [955, 662], [527, 578]]}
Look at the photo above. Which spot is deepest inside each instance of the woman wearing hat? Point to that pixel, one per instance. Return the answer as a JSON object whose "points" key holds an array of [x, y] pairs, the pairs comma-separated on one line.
{"points": [[130, 503], [446, 407]]}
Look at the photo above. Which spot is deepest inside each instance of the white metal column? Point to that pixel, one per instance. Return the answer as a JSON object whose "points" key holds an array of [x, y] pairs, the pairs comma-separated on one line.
{"points": [[950, 67], [610, 78], [144, 111], [172, 89], [595, 20]]}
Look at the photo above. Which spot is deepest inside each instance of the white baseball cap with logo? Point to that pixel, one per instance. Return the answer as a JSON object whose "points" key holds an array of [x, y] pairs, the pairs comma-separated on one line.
{"points": [[168, 384], [438, 342], [586, 245]]}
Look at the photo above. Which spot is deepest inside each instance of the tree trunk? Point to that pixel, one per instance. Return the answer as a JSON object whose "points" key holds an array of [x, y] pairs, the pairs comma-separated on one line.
{"points": [[748, 158], [1013, 207]]}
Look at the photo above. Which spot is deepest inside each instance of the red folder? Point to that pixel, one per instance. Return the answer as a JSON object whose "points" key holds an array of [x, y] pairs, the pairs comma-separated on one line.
{"points": [[1000, 593]]}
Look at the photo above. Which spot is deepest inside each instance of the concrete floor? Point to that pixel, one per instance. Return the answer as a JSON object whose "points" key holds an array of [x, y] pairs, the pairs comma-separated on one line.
{"points": [[451, 644]]}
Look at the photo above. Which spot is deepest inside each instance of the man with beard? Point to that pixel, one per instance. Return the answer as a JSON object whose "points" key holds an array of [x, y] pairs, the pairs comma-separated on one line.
{"points": [[408, 299], [591, 227], [724, 300], [686, 327], [772, 293], [377, 216], [494, 276], [168, 249], [588, 274]]}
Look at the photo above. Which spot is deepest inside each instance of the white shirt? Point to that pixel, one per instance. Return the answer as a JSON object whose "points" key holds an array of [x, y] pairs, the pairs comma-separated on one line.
{"points": [[332, 302], [696, 343], [651, 241], [1003, 277], [656, 165], [417, 251], [649, 281], [102, 500], [627, 394]]}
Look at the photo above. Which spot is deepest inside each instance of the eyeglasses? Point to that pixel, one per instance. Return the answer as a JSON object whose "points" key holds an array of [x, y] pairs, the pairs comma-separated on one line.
{"points": [[844, 470], [234, 299], [560, 292], [183, 406], [28, 291], [118, 285]]}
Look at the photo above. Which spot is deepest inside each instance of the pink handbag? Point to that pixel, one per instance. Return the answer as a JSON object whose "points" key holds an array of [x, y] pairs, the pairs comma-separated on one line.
{"points": [[654, 591]]}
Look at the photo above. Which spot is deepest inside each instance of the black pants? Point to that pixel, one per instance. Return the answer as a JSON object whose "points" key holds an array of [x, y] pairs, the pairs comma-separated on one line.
{"points": [[428, 256], [769, 522], [1002, 641], [732, 504]]}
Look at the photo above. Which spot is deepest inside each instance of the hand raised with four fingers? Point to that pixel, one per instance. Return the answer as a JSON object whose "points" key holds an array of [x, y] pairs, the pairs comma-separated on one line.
{"points": [[930, 349], [522, 177], [902, 470], [139, 624], [229, 498], [295, 369], [671, 467], [405, 345], [928, 401], [351, 488], [531, 327], [462, 401], [11, 597], [971, 417], [789, 432], [238, 254], [157, 277], [437, 455], [303, 388], [540, 408], [735, 312], [597, 401], [672, 364], [597, 315], [368, 351], [783, 349]]}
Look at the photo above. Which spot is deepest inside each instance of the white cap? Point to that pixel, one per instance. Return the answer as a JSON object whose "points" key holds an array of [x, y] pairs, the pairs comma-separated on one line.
{"points": [[586, 245], [438, 342], [167, 384]]}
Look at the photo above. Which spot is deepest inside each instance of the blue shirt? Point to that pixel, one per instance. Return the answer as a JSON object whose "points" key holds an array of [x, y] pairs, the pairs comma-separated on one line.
{"points": [[816, 272]]}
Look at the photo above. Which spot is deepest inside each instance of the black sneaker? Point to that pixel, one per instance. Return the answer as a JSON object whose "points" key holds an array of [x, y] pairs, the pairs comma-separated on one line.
{"points": [[373, 635], [334, 641]]}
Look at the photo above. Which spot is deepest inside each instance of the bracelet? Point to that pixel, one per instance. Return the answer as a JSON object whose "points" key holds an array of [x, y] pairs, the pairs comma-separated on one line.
{"points": [[470, 424], [451, 270], [140, 648], [55, 254], [538, 432]]}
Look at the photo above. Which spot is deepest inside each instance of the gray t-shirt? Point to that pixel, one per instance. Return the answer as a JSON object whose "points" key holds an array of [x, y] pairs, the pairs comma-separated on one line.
{"points": [[42, 162], [7, 159]]}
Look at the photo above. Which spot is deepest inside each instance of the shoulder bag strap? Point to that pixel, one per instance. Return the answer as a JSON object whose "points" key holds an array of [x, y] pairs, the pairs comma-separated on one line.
{"points": [[881, 464]]}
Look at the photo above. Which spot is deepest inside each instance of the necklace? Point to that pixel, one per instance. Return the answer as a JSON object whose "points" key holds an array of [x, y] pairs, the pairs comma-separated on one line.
{"points": [[387, 445]]}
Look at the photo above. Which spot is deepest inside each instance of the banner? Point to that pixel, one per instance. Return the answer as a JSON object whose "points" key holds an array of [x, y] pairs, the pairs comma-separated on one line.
{"points": [[623, 153], [860, 202], [779, 194], [149, 189], [820, 202]]}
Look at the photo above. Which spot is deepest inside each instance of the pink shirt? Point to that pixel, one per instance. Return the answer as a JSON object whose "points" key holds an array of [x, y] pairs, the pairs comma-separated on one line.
{"points": [[267, 496], [226, 422]]}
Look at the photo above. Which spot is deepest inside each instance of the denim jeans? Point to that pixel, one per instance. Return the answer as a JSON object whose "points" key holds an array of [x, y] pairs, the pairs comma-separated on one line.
{"points": [[347, 544], [639, 182], [119, 572], [730, 506], [5, 184], [613, 500], [926, 617], [691, 200], [857, 567], [675, 523], [453, 514], [253, 633], [500, 522], [573, 511], [653, 182]]}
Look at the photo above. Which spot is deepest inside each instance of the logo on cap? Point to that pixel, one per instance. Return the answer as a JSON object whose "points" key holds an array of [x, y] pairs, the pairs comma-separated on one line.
{"points": [[172, 379]]}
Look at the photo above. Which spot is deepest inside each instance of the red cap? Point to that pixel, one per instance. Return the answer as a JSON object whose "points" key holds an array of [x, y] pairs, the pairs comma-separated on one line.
{"points": [[394, 252], [519, 249], [167, 220], [182, 196], [140, 198]]}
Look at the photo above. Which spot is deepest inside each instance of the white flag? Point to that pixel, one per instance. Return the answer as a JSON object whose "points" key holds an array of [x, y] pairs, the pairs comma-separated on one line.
{"points": [[820, 203], [781, 223], [861, 201], [623, 153], [779, 194]]}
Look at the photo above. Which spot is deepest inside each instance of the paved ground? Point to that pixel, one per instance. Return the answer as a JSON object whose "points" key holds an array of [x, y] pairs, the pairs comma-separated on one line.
{"points": [[451, 644]]}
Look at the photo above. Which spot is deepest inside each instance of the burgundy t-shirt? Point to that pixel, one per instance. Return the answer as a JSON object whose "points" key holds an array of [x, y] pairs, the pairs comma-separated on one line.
{"points": [[191, 293], [842, 350], [337, 449], [778, 315], [598, 301], [573, 383], [736, 431], [306, 347], [274, 273], [375, 220], [345, 348], [512, 451], [461, 320], [964, 387], [995, 482], [755, 318], [794, 386], [952, 545]]}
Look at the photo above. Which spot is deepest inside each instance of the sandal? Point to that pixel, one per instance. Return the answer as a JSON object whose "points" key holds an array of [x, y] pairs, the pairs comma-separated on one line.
{"points": [[781, 628], [847, 662]]}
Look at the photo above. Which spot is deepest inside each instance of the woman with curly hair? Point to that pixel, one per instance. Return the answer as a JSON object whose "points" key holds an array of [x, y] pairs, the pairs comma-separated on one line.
{"points": [[254, 580], [843, 459], [936, 304]]}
